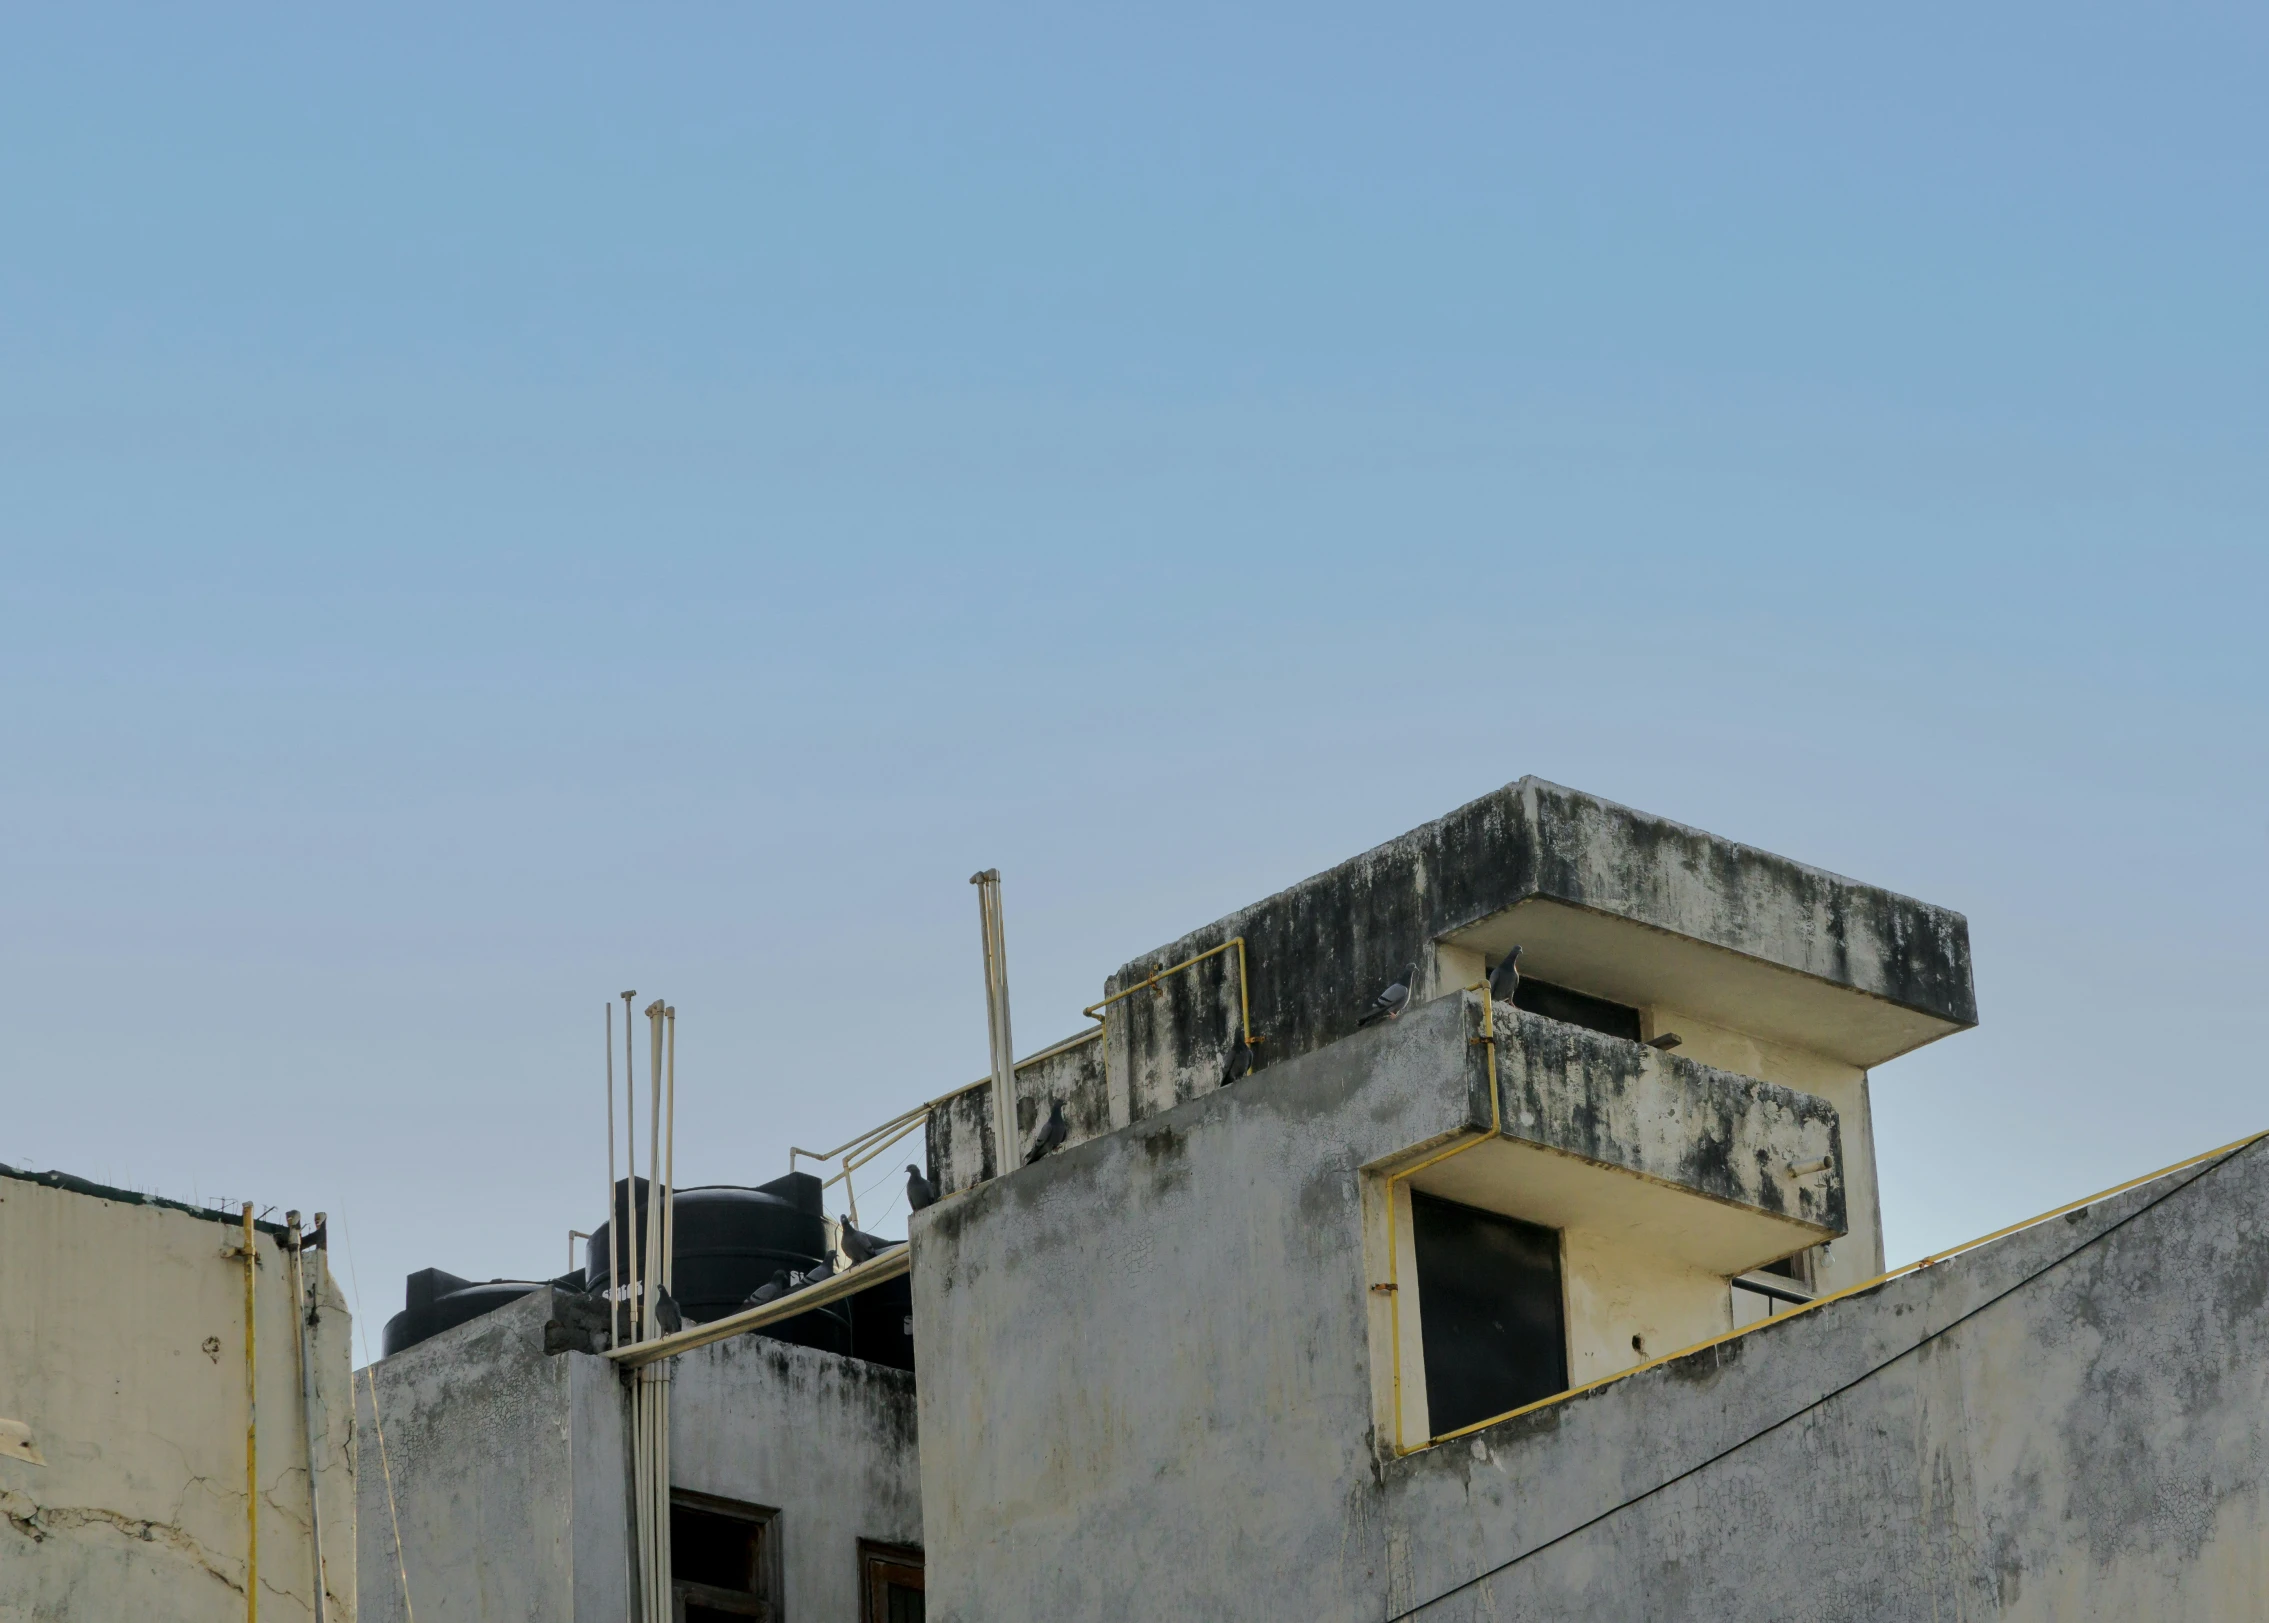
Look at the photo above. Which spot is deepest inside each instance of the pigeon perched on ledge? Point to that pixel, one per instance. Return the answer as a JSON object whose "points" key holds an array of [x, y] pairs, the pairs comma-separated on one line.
{"points": [[918, 1191], [771, 1290], [861, 1246], [1051, 1133], [1505, 979], [1389, 1004], [1240, 1063]]}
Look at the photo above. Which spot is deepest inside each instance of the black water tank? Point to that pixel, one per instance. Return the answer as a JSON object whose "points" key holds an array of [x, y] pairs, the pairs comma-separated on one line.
{"points": [[727, 1241], [434, 1301]]}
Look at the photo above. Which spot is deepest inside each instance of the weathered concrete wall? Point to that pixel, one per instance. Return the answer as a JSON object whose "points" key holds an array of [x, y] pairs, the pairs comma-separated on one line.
{"points": [[510, 1470], [1667, 1118], [2070, 1423], [1318, 951], [1859, 1255], [507, 1475], [122, 1349], [960, 1140], [1172, 1319], [1143, 1376], [828, 1440], [1627, 1302]]}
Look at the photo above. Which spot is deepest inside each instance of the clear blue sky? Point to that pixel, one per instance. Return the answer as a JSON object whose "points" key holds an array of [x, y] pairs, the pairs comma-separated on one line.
{"points": [[499, 505]]}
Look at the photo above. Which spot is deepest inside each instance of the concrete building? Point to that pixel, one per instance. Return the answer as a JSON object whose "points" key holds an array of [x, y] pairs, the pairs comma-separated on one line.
{"points": [[1364, 1283], [128, 1396]]}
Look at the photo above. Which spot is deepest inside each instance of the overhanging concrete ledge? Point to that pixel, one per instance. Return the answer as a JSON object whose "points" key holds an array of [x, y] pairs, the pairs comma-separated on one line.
{"points": [[1602, 899], [1616, 1138]]}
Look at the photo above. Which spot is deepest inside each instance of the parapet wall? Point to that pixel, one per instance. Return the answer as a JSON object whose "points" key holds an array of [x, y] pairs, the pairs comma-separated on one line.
{"points": [[122, 1350], [1319, 951]]}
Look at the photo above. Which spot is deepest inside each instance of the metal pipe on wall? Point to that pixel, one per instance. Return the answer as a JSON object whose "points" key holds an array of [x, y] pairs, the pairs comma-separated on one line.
{"points": [[670, 1157], [632, 1256], [302, 1311], [657, 1200], [614, 1218], [251, 1430], [651, 1394], [988, 885]]}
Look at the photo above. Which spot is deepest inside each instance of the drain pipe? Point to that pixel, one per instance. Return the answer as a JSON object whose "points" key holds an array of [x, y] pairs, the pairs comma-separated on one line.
{"points": [[302, 1310], [251, 1430], [988, 886]]}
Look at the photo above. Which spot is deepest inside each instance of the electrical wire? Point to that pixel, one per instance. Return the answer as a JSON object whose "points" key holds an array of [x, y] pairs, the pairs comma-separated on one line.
{"points": [[370, 1375], [1825, 1398]]}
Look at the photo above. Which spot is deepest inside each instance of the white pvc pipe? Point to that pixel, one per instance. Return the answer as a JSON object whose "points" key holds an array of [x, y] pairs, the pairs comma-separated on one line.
{"points": [[614, 1218], [633, 1258], [670, 1159], [988, 885]]}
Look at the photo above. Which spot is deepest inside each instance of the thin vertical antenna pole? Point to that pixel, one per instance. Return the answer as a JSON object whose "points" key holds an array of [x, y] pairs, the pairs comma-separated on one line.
{"points": [[670, 1158], [654, 1196], [251, 1432], [633, 1257], [988, 886], [614, 1218]]}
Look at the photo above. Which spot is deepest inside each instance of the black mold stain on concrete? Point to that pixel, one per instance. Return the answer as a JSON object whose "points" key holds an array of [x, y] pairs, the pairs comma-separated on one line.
{"points": [[1318, 951]]}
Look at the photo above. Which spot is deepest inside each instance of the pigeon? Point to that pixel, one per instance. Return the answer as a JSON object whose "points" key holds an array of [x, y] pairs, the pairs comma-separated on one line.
{"points": [[1240, 1063], [1389, 1004], [813, 1275], [1050, 1135], [669, 1318], [918, 1191], [863, 1247], [1505, 979], [771, 1290]]}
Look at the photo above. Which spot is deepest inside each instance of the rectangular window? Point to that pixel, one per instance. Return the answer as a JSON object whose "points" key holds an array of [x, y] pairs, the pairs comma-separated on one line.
{"points": [[1577, 1009], [1489, 1309], [724, 1559], [890, 1583]]}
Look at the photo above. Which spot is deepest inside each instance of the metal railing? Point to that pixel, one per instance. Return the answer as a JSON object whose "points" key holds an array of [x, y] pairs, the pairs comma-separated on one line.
{"points": [[853, 1154]]}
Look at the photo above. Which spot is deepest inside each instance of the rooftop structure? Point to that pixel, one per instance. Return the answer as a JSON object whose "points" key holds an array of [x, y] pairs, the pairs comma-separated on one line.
{"points": [[1489, 1222]]}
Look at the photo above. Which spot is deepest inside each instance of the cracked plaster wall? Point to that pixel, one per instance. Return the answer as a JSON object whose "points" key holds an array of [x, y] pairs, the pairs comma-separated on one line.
{"points": [[122, 1348]]}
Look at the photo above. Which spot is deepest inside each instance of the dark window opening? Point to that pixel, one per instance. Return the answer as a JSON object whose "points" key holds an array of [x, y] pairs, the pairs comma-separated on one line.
{"points": [[1797, 1267], [890, 1583], [1577, 1009], [1489, 1311], [724, 1559]]}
